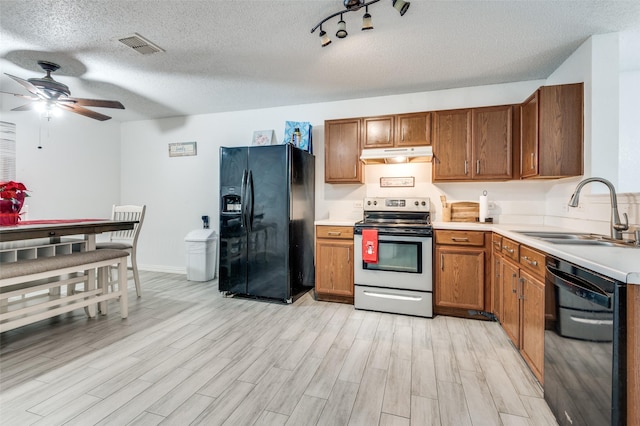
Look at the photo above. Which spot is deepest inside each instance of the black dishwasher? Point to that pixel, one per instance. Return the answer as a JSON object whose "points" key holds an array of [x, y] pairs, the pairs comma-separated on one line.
{"points": [[584, 346]]}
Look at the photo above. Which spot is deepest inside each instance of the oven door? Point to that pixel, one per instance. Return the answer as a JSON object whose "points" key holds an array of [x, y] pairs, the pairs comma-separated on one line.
{"points": [[404, 262]]}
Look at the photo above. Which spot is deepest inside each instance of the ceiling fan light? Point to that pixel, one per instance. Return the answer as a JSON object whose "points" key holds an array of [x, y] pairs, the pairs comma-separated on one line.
{"points": [[366, 22], [342, 29], [401, 6]]}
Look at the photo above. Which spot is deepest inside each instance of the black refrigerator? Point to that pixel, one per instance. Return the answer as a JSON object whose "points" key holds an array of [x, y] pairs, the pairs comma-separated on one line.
{"points": [[267, 210]]}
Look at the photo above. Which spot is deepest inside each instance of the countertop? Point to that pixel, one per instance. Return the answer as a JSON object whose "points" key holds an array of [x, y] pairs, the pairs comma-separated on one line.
{"points": [[619, 263]]}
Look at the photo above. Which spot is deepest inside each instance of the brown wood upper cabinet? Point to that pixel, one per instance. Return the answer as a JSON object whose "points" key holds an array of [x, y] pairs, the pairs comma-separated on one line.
{"points": [[378, 131], [342, 151], [551, 138], [473, 144], [389, 131], [413, 129]]}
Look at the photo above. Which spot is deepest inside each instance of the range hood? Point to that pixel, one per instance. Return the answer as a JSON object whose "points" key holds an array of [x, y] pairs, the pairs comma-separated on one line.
{"points": [[412, 154]]}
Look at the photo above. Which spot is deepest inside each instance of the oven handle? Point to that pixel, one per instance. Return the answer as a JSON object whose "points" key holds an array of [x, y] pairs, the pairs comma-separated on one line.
{"points": [[392, 296], [580, 287]]}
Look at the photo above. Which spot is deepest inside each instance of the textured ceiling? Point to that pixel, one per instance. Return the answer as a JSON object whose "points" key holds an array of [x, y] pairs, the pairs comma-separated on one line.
{"points": [[238, 54]]}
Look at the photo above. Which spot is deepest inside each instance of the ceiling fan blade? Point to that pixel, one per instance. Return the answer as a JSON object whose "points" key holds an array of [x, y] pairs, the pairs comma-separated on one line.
{"points": [[27, 107], [31, 98], [83, 111], [29, 86], [92, 102]]}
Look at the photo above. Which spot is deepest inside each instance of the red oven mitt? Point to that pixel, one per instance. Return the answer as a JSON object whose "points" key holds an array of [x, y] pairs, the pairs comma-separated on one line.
{"points": [[370, 245]]}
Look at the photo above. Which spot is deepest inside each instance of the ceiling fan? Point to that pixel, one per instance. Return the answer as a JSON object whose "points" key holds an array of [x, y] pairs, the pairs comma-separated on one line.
{"points": [[48, 93]]}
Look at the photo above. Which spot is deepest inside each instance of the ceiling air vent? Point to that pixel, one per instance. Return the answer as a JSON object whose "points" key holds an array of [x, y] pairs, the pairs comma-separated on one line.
{"points": [[140, 44]]}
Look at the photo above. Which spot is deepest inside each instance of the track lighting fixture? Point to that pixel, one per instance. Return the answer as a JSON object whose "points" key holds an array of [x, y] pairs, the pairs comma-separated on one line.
{"points": [[366, 20], [342, 28], [351, 6], [324, 38]]}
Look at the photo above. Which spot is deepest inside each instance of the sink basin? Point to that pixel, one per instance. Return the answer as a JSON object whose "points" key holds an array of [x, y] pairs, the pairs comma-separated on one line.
{"points": [[577, 238]]}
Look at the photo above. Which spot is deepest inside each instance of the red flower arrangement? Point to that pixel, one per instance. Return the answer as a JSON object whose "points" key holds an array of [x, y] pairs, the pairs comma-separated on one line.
{"points": [[12, 195]]}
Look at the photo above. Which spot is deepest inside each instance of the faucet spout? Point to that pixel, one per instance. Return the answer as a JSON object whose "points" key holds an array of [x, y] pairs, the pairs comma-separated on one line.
{"points": [[616, 225]]}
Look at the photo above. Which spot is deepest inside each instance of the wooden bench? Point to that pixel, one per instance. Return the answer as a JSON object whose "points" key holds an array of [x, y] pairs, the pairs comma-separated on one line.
{"points": [[27, 280]]}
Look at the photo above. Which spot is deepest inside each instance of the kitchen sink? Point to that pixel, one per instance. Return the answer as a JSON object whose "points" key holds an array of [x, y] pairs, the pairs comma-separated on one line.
{"points": [[578, 238]]}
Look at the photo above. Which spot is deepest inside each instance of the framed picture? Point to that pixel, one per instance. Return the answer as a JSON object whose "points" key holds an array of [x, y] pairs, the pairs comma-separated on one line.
{"points": [[304, 142], [183, 149], [397, 182], [263, 137]]}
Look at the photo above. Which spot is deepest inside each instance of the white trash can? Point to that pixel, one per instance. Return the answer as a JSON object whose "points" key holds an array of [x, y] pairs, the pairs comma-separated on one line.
{"points": [[201, 254]]}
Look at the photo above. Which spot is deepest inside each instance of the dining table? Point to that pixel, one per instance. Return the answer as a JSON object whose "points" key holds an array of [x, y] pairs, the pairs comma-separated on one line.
{"points": [[26, 233]]}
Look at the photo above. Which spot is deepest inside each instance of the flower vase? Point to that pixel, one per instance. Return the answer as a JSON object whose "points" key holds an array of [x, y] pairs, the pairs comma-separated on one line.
{"points": [[9, 212]]}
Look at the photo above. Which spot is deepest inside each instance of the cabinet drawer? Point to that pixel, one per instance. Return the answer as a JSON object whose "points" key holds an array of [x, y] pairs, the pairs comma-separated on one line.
{"points": [[511, 249], [496, 242], [460, 238], [337, 232], [532, 260]]}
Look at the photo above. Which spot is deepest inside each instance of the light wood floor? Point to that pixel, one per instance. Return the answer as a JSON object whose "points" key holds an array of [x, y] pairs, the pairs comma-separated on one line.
{"points": [[187, 356]]}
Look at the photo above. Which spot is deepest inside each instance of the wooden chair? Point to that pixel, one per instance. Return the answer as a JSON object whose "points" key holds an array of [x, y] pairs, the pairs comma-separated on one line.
{"points": [[127, 240]]}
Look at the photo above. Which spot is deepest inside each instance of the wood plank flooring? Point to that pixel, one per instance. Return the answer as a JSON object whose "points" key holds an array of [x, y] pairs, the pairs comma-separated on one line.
{"points": [[186, 355]]}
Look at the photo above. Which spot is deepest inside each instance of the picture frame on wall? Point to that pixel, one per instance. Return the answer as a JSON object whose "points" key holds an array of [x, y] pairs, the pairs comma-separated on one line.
{"points": [[263, 137]]}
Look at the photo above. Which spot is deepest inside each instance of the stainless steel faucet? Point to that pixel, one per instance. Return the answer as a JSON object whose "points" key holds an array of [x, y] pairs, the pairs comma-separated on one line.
{"points": [[616, 225]]}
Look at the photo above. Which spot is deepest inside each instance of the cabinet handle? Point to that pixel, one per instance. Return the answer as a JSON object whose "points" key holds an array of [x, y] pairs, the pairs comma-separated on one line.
{"points": [[334, 233], [521, 295], [477, 167], [532, 167], [441, 261], [466, 167], [507, 248], [530, 261], [497, 269], [402, 134], [513, 284], [460, 240]]}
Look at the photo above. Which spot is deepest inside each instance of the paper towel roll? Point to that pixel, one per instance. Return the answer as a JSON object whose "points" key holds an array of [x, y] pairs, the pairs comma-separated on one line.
{"points": [[484, 208]]}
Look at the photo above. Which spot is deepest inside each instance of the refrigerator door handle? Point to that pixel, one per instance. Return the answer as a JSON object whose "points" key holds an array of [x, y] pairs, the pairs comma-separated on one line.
{"points": [[250, 202], [243, 199]]}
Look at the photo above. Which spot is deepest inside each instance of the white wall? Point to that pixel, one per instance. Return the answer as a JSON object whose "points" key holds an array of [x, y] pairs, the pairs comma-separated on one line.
{"points": [[179, 190], [76, 173]]}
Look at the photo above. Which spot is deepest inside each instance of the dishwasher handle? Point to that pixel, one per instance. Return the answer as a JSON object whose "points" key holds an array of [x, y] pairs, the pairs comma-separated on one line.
{"points": [[580, 287]]}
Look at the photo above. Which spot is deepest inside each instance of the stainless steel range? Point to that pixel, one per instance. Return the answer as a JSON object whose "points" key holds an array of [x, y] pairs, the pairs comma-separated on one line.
{"points": [[400, 279]]}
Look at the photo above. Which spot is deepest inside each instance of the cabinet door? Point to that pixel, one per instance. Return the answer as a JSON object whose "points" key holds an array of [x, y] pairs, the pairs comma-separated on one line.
{"points": [[496, 285], [334, 267], [560, 133], [529, 137], [532, 325], [492, 143], [413, 129], [451, 145], [510, 301], [459, 277], [378, 132], [342, 151]]}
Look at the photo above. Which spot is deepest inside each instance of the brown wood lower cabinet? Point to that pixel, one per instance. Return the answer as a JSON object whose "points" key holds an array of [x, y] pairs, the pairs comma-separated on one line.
{"points": [[461, 269], [520, 280], [334, 263]]}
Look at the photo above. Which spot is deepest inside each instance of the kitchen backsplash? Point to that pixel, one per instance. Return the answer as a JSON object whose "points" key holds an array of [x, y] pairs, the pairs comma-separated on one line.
{"points": [[535, 202]]}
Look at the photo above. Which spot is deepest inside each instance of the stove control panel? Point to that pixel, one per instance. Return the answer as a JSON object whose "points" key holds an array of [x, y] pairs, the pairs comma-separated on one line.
{"points": [[397, 204]]}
